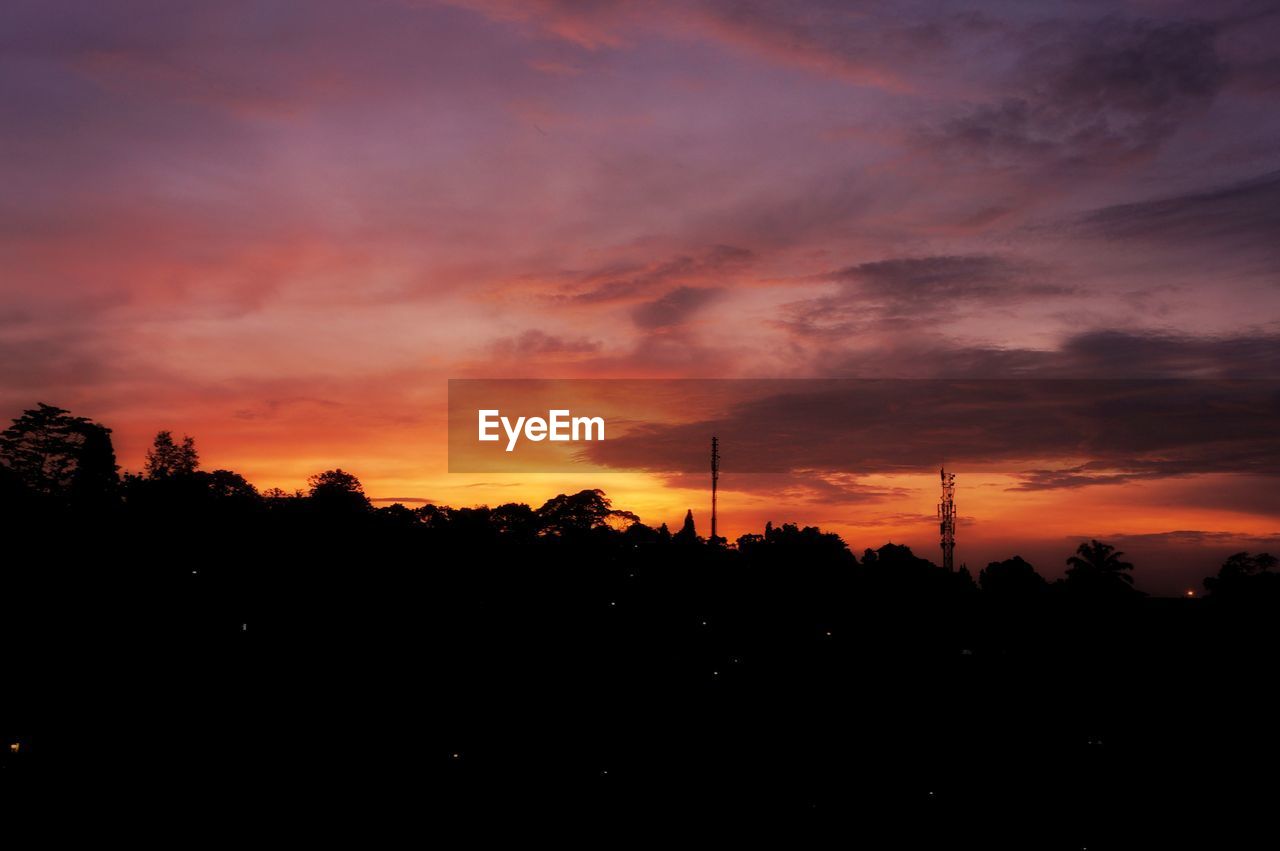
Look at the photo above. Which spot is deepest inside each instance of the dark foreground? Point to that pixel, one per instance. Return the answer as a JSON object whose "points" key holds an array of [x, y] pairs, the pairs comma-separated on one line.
{"points": [[632, 686]]}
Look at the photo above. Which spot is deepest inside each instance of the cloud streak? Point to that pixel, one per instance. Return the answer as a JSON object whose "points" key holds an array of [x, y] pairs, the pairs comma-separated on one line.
{"points": [[1125, 430], [915, 289], [1092, 94]]}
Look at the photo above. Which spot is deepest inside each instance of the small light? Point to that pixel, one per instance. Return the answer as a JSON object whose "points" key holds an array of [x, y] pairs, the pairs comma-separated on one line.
{"points": [[1190, 592], [456, 756], [14, 747]]}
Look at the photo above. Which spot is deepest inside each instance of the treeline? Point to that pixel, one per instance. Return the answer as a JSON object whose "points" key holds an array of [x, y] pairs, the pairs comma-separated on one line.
{"points": [[180, 622], [57, 468]]}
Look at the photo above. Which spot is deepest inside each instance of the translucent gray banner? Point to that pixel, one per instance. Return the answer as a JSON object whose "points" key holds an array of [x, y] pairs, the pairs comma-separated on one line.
{"points": [[1059, 431]]}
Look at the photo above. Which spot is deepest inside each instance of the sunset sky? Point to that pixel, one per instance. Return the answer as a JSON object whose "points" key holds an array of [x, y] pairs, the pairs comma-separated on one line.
{"points": [[282, 227]]}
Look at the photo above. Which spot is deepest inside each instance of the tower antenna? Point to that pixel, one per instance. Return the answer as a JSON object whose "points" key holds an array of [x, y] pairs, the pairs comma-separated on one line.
{"points": [[715, 480], [947, 518]]}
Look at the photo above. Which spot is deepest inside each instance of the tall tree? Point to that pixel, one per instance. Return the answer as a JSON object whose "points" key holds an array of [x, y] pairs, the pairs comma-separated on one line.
{"points": [[54, 454], [1099, 566], [1011, 578], [337, 491], [579, 512], [97, 476], [167, 458], [688, 533], [1246, 576]]}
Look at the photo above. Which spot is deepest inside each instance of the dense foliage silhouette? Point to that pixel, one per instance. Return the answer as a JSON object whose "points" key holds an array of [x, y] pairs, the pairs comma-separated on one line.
{"points": [[569, 657]]}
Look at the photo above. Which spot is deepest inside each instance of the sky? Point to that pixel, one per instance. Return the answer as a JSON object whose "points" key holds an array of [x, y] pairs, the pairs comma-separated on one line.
{"points": [[281, 227]]}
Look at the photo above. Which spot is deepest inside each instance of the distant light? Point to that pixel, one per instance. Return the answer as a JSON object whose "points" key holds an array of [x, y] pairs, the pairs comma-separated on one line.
{"points": [[828, 633], [456, 756], [1191, 592], [14, 747]]}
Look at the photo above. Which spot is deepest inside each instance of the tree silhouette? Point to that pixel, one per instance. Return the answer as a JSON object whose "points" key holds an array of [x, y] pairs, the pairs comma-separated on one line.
{"points": [[56, 455], [580, 603], [1244, 576], [337, 492], [1010, 579], [790, 543], [1098, 568], [688, 533], [580, 512], [226, 485], [167, 458]]}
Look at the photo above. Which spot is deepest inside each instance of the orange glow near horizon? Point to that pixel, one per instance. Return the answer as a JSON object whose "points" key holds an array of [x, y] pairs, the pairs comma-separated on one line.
{"points": [[995, 522]]}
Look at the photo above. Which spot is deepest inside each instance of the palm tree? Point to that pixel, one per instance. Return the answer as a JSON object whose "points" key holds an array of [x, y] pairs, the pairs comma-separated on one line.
{"points": [[1096, 562]]}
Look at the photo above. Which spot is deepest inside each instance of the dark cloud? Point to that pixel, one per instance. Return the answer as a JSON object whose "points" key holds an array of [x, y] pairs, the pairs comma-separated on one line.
{"points": [[535, 343], [1078, 476], [1131, 354], [1094, 93], [272, 408], [875, 44], [1238, 493], [922, 279], [1090, 354], [901, 519], [65, 359], [1242, 216], [1125, 430], [917, 288], [801, 487], [1196, 537], [674, 308], [669, 351], [627, 283], [1214, 453]]}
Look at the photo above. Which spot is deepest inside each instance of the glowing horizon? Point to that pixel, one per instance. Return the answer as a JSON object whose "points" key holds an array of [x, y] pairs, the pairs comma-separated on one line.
{"points": [[286, 253]]}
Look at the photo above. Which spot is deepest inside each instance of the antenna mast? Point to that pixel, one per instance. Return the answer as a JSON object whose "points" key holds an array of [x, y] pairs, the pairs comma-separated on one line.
{"points": [[947, 518], [715, 480]]}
